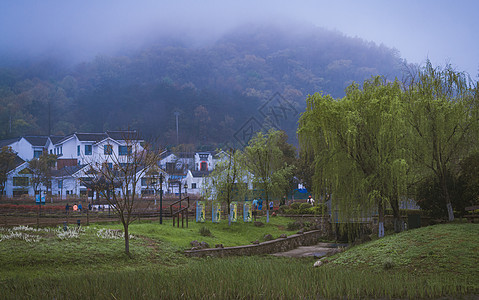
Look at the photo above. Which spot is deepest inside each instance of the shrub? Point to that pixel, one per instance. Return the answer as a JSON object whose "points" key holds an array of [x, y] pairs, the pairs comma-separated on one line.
{"points": [[295, 205], [388, 264], [293, 226], [204, 231], [304, 208], [318, 209]]}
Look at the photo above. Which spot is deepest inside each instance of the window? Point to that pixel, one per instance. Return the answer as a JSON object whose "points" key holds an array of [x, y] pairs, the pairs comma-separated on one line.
{"points": [[124, 150], [20, 181], [20, 193], [193, 185], [37, 153], [78, 150], [108, 149], [51, 151], [25, 171], [88, 149], [60, 184], [204, 166], [148, 181]]}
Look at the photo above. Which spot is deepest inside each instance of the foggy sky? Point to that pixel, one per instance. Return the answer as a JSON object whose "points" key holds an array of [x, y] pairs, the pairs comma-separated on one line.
{"points": [[443, 31]]}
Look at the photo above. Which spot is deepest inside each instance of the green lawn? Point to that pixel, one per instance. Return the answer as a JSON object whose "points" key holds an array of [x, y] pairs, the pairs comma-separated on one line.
{"points": [[436, 261], [237, 234]]}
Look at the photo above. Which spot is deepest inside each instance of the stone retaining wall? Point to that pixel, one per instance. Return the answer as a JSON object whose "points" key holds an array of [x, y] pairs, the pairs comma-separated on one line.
{"points": [[279, 245]]}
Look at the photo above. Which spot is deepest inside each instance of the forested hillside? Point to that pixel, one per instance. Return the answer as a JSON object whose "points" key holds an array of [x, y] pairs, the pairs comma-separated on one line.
{"points": [[215, 87]]}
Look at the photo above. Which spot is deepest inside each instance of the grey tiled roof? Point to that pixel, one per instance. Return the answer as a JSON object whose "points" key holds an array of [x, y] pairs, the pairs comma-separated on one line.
{"points": [[124, 134], [39, 141], [91, 137], [200, 173], [56, 138], [66, 171], [66, 137], [17, 162], [8, 142]]}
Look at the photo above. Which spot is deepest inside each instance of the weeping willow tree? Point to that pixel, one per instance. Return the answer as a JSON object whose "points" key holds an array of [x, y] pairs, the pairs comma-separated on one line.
{"points": [[358, 146], [443, 112]]}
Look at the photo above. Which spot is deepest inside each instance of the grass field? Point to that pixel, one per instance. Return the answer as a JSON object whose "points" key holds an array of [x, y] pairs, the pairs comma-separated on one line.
{"points": [[430, 262]]}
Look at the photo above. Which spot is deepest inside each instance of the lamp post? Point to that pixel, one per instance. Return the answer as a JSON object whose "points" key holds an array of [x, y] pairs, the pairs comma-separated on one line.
{"points": [[179, 188], [161, 198], [186, 188]]}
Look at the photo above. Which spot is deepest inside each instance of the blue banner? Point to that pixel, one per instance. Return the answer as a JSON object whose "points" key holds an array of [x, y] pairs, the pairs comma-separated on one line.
{"points": [[200, 211], [247, 217], [216, 212]]}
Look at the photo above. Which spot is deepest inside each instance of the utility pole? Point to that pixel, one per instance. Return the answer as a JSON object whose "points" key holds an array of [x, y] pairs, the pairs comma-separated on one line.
{"points": [[161, 198], [177, 139]]}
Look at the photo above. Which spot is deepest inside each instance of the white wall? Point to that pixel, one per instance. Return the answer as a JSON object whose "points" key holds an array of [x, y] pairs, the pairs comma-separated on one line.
{"points": [[70, 184], [23, 148], [9, 187]]}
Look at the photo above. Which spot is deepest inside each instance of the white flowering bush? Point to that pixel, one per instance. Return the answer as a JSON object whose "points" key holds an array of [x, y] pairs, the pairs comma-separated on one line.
{"points": [[17, 233], [111, 234], [30, 234], [70, 233], [31, 229]]}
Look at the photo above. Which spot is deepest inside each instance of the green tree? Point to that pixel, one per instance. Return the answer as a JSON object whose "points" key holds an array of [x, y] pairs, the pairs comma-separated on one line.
{"points": [[7, 161], [442, 112], [358, 148], [290, 157], [268, 164], [229, 180]]}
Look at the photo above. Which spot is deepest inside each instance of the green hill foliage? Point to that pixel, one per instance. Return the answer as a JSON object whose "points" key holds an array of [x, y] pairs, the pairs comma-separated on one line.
{"points": [[216, 87]]}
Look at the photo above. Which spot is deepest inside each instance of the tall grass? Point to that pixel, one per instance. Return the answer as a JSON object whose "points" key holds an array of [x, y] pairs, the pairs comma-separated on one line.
{"points": [[430, 262], [240, 278]]}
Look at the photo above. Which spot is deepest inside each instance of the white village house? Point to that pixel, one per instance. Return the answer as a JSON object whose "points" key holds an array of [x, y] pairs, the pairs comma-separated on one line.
{"points": [[74, 153], [78, 151]]}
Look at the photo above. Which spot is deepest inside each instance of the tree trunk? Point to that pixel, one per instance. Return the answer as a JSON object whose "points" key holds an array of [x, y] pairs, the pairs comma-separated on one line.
{"points": [[381, 219], [396, 214], [445, 191], [127, 240]]}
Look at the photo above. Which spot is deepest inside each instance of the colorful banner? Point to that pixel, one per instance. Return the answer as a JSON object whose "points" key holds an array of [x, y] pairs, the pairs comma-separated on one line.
{"points": [[233, 211], [247, 217], [200, 211], [216, 212], [39, 199]]}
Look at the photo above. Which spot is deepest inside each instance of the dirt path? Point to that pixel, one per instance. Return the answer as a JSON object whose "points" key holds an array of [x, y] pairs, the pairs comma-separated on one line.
{"points": [[317, 251]]}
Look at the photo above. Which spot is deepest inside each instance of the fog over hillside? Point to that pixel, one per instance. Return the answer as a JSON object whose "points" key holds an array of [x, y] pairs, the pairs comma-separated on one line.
{"points": [[100, 65], [217, 87], [442, 31]]}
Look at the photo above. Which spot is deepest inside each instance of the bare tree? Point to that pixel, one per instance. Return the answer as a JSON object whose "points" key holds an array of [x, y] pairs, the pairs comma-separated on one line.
{"points": [[7, 162], [41, 169], [117, 176]]}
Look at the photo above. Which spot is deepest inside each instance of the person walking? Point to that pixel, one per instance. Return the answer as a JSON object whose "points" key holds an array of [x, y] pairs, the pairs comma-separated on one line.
{"points": [[311, 200]]}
